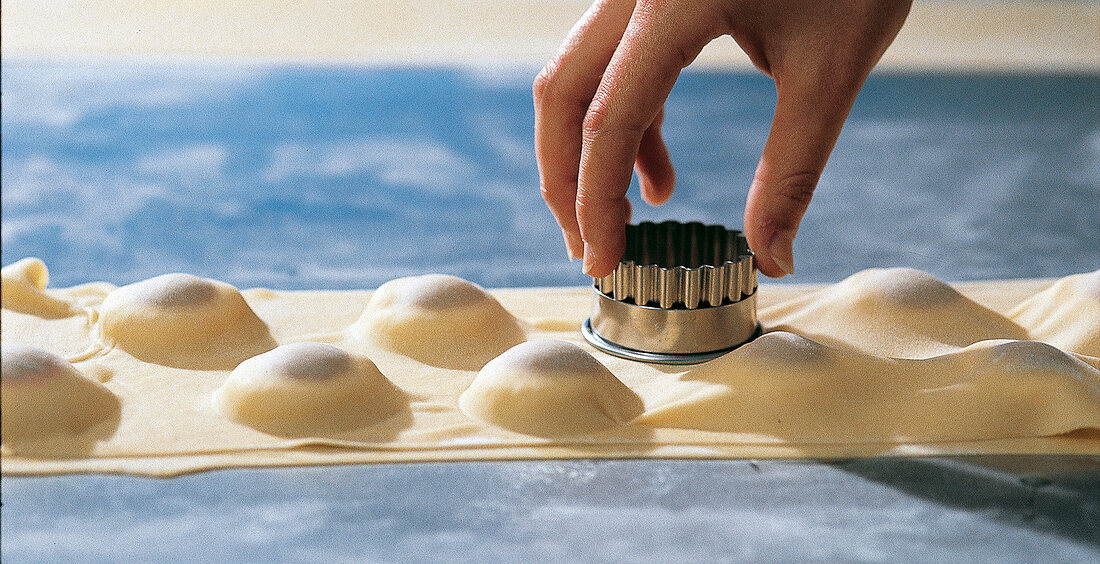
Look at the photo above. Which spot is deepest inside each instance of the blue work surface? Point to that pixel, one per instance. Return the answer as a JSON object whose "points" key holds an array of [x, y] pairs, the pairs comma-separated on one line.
{"points": [[334, 177]]}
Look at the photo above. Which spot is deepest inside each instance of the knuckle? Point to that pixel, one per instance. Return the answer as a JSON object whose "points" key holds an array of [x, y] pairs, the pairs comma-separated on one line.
{"points": [[544, 83], [540, 87], [684, 56], [595, 120], [600, 120], [798, 188], [552, 197], [561, 201], [548, 196], [591, 203], [584, 199], [588, 204], [595, 212]]}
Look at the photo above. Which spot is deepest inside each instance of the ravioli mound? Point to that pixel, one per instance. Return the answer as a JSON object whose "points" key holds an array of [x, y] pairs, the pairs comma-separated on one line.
{"points": [[893, 312], [45, 397], [183, 321], [551, 389], [440, 320], [1066, 315], [786, 387], [304, 389]]}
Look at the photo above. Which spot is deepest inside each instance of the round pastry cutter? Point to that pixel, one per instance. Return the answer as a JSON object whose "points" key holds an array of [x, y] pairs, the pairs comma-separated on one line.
{"points": [[683, 293]]}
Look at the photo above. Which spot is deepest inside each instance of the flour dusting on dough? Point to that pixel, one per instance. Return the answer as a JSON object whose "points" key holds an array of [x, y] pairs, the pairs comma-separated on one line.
{"points": [[890, 362], [1066, 315], [183, 321], [439, 320], [49, 405], [23, 289], [788, 387], [305, 389], [549, 388], [896, 312]]}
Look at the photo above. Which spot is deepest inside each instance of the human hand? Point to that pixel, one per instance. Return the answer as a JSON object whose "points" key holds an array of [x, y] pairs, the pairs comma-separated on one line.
{"points": [[599, 105]]}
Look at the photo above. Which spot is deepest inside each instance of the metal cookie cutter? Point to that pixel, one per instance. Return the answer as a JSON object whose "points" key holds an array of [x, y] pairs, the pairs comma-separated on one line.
{"points": [[683, 293]]}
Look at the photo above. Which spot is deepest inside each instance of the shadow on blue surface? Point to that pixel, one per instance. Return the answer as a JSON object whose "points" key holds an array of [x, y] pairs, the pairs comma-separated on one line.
{"points": [[944, 510], [1051, 494]]}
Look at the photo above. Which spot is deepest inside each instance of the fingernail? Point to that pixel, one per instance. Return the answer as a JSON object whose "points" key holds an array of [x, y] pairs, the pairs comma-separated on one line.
{"points": [[573, 245], [589, 259], [781, 249], [568, 247]]}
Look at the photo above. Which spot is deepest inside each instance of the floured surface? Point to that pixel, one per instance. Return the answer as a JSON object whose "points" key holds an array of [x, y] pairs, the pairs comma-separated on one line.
{"points": [[886, 362]]}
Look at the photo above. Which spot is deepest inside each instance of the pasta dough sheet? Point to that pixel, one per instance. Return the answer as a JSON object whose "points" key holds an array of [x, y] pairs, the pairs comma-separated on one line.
{"points": [[180, 374]]}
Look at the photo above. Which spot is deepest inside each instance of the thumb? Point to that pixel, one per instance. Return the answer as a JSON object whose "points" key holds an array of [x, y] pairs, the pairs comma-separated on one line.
{"points": [[804, 130]]}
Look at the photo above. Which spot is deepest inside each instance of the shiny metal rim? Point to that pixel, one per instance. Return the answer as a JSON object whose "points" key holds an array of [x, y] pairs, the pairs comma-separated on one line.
{"points": [[659, 358]]}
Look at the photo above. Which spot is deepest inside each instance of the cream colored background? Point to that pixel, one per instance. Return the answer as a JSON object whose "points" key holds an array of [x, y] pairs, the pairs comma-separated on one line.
{"points": [[1044, 36]]}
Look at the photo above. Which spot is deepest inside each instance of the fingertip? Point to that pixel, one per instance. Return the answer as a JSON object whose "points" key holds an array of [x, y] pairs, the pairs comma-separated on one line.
{"points": [[762, 238], [654, 166], [781, 251], [604, 237], [589, 260], [574, 247], [773, 211], [767, 266], [598, 263], [603, 230], [656, 194], [656, 187], [592, 264], [773, 250]]}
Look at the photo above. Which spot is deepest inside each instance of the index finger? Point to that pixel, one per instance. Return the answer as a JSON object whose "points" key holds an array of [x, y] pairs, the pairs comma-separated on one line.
{"points": [[562, 93], [657, 44]]}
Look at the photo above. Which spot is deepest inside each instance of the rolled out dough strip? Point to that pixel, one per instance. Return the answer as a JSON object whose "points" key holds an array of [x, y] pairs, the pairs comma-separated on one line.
{"points": [[899, 383]]}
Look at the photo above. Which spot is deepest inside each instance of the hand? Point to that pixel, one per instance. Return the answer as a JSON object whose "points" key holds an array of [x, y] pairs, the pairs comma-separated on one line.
{"points": [[599, 104]]}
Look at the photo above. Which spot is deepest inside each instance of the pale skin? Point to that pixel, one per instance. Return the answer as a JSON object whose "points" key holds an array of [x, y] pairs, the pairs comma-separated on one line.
{"points": [[599, 106]]}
